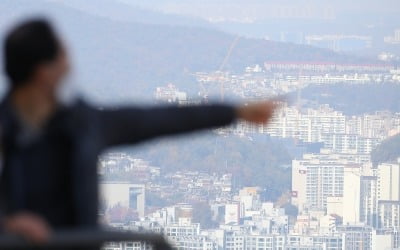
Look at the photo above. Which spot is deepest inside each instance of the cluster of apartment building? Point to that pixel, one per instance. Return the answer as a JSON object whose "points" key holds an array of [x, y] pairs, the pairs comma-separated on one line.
{"points": [[276, 78], [244, 223], [334, 191], [338, 132], [341, 200], [325, 67], [343, 208]]}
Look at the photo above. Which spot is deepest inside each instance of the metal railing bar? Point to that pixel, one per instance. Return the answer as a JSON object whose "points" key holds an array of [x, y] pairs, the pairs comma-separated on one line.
{"points": [[85, 238]]}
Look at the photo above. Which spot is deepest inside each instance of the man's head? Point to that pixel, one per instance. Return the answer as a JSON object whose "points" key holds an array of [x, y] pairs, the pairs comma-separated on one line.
{"points": [[33, 54]]}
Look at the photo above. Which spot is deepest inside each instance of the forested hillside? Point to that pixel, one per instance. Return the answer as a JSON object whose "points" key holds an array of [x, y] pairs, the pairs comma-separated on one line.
{"points": [[256, 161], [387, 151]]}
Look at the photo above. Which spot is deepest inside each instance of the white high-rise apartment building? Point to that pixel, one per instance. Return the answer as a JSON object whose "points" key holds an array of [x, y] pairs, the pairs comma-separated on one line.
{"points": [[323, 180], [125, 194], [388, 195], [368, 200], [356, 237], [389, 215], [359, 197], [389, 181], [307, 126], [375, 125], [319, 176], [264, 242], [306, 242], [351, 195], [316, 177], [349, 143]]}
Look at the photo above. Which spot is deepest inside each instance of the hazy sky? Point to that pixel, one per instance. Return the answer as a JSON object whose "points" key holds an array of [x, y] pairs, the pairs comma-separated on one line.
{"points": [[383, 6]]}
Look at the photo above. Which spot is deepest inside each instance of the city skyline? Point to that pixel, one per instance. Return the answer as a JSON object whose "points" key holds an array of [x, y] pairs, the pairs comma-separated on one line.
{"points": [[323, 174]]}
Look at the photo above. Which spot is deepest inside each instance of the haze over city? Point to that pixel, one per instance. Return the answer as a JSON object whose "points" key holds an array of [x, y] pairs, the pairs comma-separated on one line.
{"points": [[323, 173]]}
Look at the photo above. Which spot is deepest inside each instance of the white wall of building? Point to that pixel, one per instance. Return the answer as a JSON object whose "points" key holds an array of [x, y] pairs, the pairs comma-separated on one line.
{"points": [[118, 193], [351, 195], [389, 181]]}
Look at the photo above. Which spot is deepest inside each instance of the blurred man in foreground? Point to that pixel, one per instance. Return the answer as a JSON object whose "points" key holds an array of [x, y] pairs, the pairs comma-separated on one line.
{"points": [[49, 149]]}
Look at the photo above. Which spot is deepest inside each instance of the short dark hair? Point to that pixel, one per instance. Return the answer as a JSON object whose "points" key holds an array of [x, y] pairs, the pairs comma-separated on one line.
{"points": [[26, 46]]}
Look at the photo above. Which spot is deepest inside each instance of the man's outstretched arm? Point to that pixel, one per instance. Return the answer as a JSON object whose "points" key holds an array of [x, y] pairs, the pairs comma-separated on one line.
{"points": [[130, 125]]}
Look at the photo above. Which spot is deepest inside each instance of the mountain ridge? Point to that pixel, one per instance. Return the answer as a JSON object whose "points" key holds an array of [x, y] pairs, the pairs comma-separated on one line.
{"points": [[123, 61]]}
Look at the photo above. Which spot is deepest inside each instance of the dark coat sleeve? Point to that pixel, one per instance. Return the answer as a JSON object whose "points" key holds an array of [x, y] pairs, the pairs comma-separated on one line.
{"points": [[131, 125]]}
